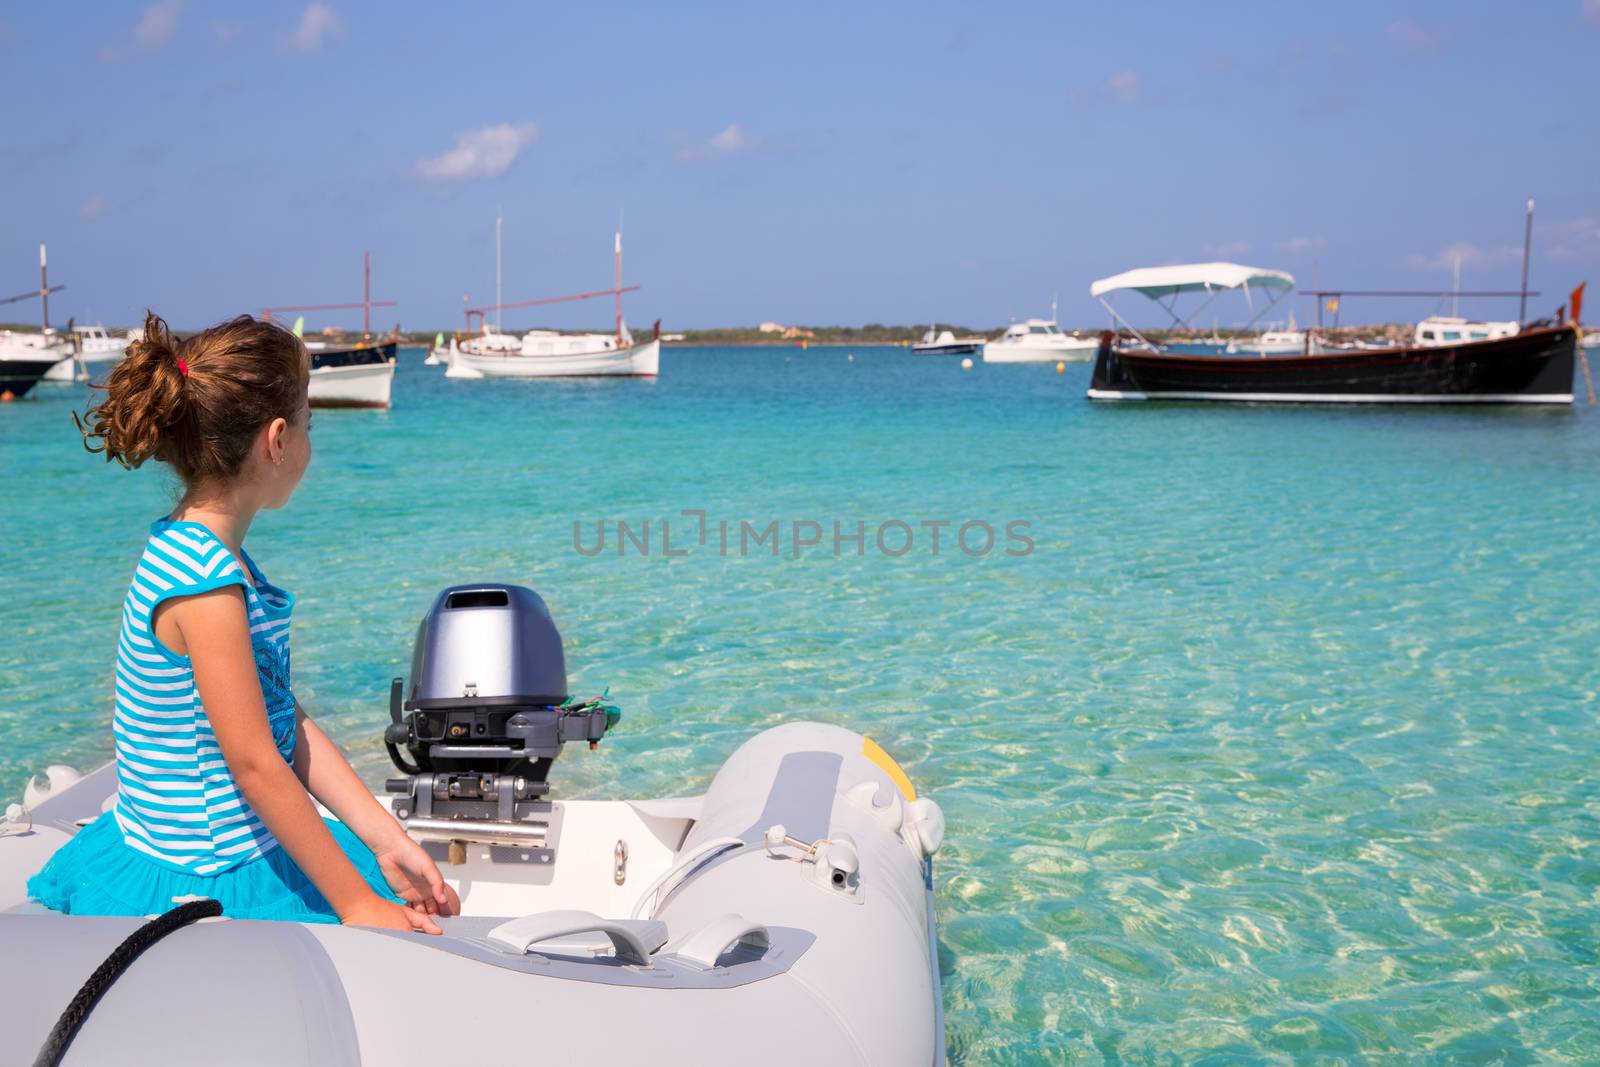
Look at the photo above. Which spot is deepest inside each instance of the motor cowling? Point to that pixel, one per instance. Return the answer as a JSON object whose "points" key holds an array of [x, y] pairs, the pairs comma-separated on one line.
{"points": [[486, 712]]}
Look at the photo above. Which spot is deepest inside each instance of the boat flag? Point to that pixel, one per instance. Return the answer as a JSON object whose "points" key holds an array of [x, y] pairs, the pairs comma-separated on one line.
{"points": [[1333, 305], [299, 325]]}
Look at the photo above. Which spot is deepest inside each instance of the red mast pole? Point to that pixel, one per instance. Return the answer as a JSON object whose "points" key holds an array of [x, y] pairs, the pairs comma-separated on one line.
{"points": [[366, 295]]}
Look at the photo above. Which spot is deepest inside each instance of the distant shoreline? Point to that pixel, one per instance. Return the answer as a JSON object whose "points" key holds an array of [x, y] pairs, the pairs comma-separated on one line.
{"points": [[841, 336]]}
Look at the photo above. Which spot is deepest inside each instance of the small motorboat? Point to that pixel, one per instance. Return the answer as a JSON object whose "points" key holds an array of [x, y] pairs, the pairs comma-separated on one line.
{"points": [[1271, 343], [358, 376], [783, 915], [1038, 341], [945, 343], [94, 347]]}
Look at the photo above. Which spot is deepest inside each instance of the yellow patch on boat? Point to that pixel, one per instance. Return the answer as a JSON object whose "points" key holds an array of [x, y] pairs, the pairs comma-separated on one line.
{"points": [[874, 752]]}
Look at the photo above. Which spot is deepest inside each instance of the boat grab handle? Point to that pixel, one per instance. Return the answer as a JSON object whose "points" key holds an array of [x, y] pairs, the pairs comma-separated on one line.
{"points": [[723, 934], [633, 941]]}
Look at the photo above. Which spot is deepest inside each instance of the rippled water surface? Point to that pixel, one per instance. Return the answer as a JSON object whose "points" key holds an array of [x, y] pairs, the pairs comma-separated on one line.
{"points": [[1279, 747]]}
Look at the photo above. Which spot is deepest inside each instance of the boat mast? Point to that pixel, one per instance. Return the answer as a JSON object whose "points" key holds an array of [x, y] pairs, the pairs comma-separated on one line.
{"points": [[497, 220], [44, 291], [1527, 246], [1455, 290], [366, 296], [618, 286]]}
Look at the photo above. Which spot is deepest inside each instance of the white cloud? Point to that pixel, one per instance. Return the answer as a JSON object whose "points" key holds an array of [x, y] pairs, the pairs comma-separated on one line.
{"points": [[93, 207], [320, 25], [482, 153], [1297, 246], [1469, 254], [1570, 238], [1230, 249], [1125, 88], [730, 140], [156, 26]]}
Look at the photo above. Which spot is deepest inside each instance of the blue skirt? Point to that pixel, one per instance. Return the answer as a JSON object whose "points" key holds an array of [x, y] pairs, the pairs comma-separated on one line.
{"points": [[97, 873]]}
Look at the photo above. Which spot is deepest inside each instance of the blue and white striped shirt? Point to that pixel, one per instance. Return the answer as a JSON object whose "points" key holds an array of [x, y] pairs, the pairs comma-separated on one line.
{"points": [[176, 799]]}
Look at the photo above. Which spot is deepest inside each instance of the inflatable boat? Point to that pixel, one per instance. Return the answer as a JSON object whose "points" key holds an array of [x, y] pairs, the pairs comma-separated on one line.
{"points": [[785, 916]]}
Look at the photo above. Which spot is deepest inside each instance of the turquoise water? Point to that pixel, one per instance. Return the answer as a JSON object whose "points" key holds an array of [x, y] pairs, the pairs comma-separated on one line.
{"points": [[1277, 748]]}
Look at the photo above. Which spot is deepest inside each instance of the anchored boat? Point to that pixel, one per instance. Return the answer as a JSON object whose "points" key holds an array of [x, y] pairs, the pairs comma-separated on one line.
{"points": [[1038, 341], [1450, 361], [349, 376], [28, 358], [358, 376], [946, 343], [783, 915], [546, 353], [1532, 367]]}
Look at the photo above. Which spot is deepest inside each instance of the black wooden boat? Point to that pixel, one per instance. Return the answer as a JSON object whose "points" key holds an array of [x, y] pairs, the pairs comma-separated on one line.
{"points": [[1532, 367], [17, 376]]}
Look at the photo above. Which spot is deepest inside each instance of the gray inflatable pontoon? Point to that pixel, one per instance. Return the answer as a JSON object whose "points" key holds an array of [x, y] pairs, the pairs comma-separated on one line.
{"points": [[784, 917]]}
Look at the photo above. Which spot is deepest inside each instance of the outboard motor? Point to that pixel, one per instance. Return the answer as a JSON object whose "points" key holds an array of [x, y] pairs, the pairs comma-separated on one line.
{"points": [[486, 716]]}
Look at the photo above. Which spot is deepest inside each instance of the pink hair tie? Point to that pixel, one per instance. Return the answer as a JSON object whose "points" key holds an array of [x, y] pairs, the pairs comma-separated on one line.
{"points": [[183, 368]]}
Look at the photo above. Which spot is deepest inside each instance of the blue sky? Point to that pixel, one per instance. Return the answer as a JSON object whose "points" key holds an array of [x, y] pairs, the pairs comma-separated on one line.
{"points": [[806, 163]]}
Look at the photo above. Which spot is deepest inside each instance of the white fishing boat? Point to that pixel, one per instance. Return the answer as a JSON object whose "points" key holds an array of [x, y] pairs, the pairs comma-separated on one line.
{"points": [[785, 915], [492, 353], [547, 354], [1039, 341], [946, 343]]}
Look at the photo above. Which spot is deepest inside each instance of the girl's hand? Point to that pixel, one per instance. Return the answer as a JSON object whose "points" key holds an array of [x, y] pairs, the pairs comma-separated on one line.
{"points": [[415, 878], [373, 910]]}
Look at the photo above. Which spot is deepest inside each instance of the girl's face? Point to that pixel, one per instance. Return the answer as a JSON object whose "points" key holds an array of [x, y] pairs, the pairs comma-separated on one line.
{"points": [[288, 451]]}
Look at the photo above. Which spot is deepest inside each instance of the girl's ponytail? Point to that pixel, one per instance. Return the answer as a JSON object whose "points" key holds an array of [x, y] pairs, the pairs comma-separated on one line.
{"points": [[197, 404], [145, 405]]}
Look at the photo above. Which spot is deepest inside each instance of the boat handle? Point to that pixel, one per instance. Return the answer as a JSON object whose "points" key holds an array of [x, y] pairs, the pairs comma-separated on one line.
{"points": [[723, 934], [628, 938]]}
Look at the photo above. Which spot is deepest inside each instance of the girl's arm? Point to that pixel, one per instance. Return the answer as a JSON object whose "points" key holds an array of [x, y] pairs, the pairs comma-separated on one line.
{"points": [[215, 633], [329, 777]]}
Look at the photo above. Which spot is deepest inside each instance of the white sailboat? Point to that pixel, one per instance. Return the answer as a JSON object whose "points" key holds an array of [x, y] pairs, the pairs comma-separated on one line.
{"points": [[548, 353]]}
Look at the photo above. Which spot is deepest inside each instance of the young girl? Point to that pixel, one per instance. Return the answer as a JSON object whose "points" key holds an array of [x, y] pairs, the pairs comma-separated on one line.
{"points": [[216, 762]]}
